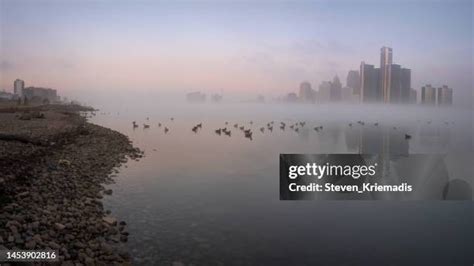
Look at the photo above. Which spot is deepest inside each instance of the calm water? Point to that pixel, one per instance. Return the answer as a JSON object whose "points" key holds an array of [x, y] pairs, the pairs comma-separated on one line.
{"points": [[203, 199]]}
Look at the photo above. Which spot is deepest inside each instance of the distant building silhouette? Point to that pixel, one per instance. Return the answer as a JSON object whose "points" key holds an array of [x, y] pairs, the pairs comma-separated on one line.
{"points": [[369, 81], [38, 94], [18, 87], [353, 81], [291, 97], [385, 72], [413, 96], [324, 92], [336, 90], [196, 97], [400, 83], [216, 98], [306, 93], [392, 84], [428, 95], [445, 96]]}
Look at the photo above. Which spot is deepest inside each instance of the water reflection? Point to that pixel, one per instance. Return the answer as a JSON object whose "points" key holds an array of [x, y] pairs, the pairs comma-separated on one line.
{"points": [[204, 199]]}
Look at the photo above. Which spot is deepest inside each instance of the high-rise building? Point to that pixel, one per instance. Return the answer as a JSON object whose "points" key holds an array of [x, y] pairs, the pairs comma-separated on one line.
{"points": [[307, 94], [324, 92], [428, 95], [369, 77], [445, 95], [353, 81], [400, 83], [336, 90], [413, 96], [405, 84], [385, 73], [18, 87], [395, 91]]}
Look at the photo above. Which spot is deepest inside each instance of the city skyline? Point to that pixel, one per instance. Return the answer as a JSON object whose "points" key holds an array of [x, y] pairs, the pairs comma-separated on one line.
{"points": [[239, 47]]}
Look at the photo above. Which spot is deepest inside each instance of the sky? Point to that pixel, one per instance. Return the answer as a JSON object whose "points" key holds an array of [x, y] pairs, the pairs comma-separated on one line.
{"points": [[233, 47]]}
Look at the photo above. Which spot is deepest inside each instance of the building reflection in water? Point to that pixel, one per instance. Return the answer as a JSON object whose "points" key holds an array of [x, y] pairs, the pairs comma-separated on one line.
{"points": [[426, 171]]}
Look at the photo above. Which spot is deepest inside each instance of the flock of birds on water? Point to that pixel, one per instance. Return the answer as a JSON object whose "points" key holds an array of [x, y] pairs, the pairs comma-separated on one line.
{"points": [[248, 133]]}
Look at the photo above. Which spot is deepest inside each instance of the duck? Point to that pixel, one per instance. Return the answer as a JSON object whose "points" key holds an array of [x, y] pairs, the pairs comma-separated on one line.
{"points": [[248, 135], [218, 131], [407, 136], [262, 129], [166, 130], [146, 126], [236, 125]]}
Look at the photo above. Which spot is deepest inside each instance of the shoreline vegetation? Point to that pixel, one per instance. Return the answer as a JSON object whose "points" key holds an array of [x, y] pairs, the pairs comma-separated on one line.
{"points": [[53, 165]]}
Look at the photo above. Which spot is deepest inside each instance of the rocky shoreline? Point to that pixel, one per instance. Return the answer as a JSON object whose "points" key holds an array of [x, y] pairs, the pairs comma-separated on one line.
{"points": [[52, 170]]}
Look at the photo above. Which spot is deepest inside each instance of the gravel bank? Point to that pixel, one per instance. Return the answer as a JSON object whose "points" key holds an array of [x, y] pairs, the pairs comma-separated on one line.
{"points": [[51, 187]]}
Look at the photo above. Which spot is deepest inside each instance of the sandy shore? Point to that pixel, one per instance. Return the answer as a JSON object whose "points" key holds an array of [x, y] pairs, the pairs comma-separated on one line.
{"points": [[52, 168]]}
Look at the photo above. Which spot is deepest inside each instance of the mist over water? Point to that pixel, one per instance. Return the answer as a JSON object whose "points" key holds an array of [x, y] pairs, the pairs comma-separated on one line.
{"points": [[207, 199]]}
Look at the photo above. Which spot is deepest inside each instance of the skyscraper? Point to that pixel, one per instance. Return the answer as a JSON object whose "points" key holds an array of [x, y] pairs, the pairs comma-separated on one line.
{"points": [[385, 72], [369, 77], [400, 83], [353, 81], [336, 90], [18, 87], [413, 96], [405, 83], [428, 95], [445, 96], [307, 94]]}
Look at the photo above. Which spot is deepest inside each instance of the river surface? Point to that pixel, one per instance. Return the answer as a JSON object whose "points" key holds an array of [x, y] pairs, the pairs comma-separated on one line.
{"points": [[208, 199]]}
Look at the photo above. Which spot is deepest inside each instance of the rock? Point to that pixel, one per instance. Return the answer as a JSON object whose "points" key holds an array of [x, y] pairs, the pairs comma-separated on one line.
{"points": [[108, 192], [18, 239], [37, 238], [23, 194], [110, 220], [123, 223], [30, 244], [123, 238], [79, 245], [35, 225], [88, 261], [67, 263], [59, 226], [53, 245]]}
